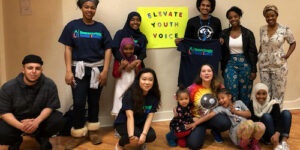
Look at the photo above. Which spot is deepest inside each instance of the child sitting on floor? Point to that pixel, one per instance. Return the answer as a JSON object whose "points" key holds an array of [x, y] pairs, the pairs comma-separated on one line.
{"points": [[182, 116]]}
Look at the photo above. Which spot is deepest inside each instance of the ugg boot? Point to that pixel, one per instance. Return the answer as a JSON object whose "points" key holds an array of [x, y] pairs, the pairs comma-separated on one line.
{"points": [[94, 136], [244, 144], [254, 144], [78, 137]]}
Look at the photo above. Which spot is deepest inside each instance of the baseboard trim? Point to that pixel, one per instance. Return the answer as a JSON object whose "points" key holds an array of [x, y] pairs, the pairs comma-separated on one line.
{"points": [[292, 104]]}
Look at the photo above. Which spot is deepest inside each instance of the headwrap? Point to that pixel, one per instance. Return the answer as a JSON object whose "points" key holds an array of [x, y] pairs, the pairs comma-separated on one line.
{"points": [[129, 32], [260, 109], [32, 59], [126, 41], [270, 7], [81, 2]]}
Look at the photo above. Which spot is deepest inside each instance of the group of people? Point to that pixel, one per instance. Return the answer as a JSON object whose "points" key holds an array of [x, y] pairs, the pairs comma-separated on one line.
{"points": [[28, 103], [208, 104], [238, 55]]}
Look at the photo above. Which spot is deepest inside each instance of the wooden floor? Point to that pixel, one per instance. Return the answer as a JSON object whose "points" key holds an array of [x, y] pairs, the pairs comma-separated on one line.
{"points": [[160, 143]]}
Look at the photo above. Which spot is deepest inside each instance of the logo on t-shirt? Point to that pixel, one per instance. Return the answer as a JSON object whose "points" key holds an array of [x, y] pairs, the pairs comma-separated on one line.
{"points": [[200, 51], [136, 43], [147, 109], [92, 35], [205, 33]]}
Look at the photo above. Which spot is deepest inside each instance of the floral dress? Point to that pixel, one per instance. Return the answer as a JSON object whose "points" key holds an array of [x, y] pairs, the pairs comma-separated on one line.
{"points": [[184, 116]]}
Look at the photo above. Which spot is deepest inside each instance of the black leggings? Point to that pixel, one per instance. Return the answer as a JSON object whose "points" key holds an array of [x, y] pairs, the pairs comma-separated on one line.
{"points": [[122, 130], [10, 135]]}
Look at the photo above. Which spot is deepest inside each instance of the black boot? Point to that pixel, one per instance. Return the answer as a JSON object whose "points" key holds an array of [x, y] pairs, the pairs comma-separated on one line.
{"points": [[44, 143], [16, 146]]}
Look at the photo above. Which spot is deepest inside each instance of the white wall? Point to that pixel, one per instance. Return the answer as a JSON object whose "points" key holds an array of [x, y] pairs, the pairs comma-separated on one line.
{"points": [[39, 32]]}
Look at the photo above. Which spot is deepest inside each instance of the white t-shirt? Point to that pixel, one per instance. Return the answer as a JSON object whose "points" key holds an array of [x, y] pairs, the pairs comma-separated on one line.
{"points": [[236, 45]]}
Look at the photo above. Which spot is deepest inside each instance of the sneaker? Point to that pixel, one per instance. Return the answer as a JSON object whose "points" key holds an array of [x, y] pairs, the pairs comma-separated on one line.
{"points": [[217, 136], [143, 147], [278, 147], [171, 139], [117, 135], [285, 146]]}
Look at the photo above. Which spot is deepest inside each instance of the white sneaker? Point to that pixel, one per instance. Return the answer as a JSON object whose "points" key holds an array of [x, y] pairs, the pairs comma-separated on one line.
{"points": [[278, 147], [285, 146]]}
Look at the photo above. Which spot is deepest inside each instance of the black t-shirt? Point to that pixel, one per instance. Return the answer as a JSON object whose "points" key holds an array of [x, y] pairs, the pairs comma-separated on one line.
{"points": [[194, 30], [150, 106], [195, 53], [88, 42]]}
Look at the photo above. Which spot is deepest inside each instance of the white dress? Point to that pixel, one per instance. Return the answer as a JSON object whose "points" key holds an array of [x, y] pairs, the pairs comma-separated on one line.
{"points": [[122, 85]]}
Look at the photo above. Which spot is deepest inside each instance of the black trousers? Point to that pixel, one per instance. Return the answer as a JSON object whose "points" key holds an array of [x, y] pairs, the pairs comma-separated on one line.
{"points": [[122, 130], [50, 126], [82, 93]]}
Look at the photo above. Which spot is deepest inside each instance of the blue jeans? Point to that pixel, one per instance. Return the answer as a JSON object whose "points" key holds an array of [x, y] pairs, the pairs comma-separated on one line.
{"points": [[285, 125], [218, 123], [82, 93]]}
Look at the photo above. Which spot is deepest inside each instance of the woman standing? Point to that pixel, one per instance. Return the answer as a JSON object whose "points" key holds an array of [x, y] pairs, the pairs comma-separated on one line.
{"points": [[140, 102], [278, 123], [87, 58], [272, 59], [131, 29], [239, 57]]}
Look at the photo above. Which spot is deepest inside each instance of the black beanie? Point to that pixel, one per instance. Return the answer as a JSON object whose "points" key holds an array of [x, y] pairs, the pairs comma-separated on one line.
{"points": [[32, 59]]}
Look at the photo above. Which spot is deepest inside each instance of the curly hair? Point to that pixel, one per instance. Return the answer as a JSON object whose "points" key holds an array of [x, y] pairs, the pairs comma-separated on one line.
{"points": [[180, 90], [212, 5], [137, 93], [234, 9], [81, 2]]}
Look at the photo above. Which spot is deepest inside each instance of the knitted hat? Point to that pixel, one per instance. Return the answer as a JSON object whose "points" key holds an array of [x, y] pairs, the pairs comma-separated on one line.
{"points": [[32, 59]]}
